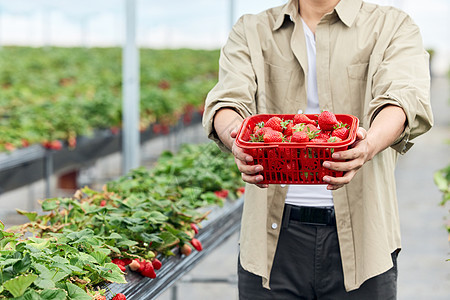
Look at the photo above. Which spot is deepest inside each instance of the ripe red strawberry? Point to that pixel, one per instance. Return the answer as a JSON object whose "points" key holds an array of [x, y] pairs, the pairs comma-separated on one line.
{"points": [[194, 227], [118, 262], [273, 137], [240, 191], [148, 271], [119, 296], [156, 264], [274, 123], [327, 120], [223, 194], [299, 136], [323, 135], [197, 244], [341, 131], [310, 127], [258, 126], [55, 145], [287, 127], [102, 203], [302, 118], [142, 265], [186, 249], [126, 261]]}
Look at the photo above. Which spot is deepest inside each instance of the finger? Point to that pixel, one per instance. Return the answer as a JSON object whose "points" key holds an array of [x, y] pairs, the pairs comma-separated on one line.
{"points": [[233, 133], [361, 133], [339, 181], [248, 169], [343, 166], [351, 154], [240, 154], [255, 179], [334, 187]]}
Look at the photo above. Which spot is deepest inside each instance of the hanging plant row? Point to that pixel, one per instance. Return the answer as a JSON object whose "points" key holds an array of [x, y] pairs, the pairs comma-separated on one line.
{"points": [[52, 95], [95, 237]]}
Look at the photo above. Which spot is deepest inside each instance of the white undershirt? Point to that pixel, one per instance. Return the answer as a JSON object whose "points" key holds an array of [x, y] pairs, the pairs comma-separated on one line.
{"points": [[310, 194]]}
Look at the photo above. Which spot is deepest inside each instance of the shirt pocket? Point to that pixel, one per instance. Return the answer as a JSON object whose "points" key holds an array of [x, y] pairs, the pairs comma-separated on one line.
{"points": [[357, 84], [275, 73], [277, 84]]}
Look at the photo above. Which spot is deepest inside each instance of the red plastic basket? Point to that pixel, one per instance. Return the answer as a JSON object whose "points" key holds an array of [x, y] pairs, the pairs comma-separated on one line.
{"points": [[293, 163]]}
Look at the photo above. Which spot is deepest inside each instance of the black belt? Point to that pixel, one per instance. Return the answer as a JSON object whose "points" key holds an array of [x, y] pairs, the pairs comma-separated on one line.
{"points": [[311, 215]]}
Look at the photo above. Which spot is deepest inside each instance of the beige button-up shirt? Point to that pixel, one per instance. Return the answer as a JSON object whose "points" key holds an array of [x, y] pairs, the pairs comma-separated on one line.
{"points": [[367, 56]]}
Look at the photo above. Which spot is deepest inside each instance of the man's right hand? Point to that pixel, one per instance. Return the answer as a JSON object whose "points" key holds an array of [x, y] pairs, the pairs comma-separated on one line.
{"points": [[226, 124], [249, 172]]}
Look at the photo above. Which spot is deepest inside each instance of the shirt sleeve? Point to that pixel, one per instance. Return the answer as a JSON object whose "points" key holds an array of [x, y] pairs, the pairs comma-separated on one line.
{"points": [[236, 87], [403, 79]]}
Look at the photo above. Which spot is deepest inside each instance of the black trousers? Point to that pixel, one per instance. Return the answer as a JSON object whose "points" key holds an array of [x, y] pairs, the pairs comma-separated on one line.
{"points": [[307, 265]]}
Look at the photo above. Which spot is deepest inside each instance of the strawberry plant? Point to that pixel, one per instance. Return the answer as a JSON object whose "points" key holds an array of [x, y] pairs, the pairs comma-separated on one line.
{"points": [[61, 93], [91, 238]]}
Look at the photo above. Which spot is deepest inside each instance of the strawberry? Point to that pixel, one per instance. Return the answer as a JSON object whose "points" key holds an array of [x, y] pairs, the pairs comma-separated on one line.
{"points": [[287, 127], [25, 143], [298, 127], [299, 136], [99, 297], [148, 271], [327, 120], [119, 296], [122, 268], [197, 244], [240, 191], [9, 147], [126, 261], [341, 131], [102, 203], [275, 124], [186, 249], [118, 262], [134, 265], [194, 227], [273, 137], [156, 264], [223, 194], [323, 135], [142, 264], [310, 127], [258, 126], [302, 118]]}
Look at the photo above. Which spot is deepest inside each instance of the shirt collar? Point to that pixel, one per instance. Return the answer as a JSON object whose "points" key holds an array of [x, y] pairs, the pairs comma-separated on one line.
{"points": [[289, 9], [345, 9]]}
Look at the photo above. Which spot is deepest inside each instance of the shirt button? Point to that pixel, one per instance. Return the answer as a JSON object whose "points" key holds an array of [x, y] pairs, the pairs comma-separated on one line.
{"points": [[274, 225]]}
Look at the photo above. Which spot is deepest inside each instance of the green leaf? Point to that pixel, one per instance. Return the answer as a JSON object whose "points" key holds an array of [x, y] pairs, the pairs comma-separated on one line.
{"points": [[19, 284], [44, 283], [22, 265], [54, 275], [53, 294], [440, 181], [151, 237], [50, 204], [111, 272], [30, 215], [76, 293], [99, 257]]}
